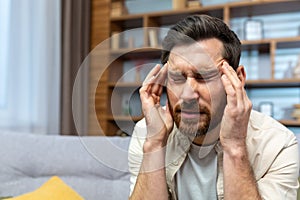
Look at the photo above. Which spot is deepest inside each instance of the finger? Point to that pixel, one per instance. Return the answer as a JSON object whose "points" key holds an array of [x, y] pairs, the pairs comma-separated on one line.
{"points": [[152, 74], [156, 84], [159, 82], [231, 75], [154, 121], [235, 82], [152, 88], [146, 100], [145, 89], [168, 112], [230, 91]]}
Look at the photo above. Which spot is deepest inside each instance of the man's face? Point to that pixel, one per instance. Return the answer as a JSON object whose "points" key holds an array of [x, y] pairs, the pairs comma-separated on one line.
{"points": [[195, 92]]}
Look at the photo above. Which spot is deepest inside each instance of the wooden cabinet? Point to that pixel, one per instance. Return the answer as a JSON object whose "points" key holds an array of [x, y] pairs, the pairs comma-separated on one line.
{"points": [[133, 47]]}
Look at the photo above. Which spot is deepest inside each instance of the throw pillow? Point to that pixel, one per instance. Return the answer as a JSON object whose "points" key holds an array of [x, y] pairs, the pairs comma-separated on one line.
{"points": [[54, 188]]}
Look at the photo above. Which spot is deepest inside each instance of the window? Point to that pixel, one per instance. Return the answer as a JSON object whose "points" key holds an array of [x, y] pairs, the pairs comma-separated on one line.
{"points": [[29, 66], [4, 18]]}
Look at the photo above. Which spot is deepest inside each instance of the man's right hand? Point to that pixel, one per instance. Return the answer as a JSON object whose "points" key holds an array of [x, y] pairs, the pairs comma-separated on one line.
{"points": [[151, 181], [159, 121]]}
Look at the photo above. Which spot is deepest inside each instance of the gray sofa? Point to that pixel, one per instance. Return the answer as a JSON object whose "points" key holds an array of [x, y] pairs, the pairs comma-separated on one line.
{"points": [[95, 167]]}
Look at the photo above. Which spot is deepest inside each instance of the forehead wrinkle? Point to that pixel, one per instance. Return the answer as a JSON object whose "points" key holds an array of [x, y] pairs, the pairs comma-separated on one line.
{"points": [[185, 68], [181, 62], [211, 48], [189, 73]]}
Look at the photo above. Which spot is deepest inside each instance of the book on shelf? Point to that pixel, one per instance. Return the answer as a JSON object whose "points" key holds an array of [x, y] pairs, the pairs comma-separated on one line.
{"points": [[253, 29], [153, 39], [193, 3], [118, 8], [115, 41], [125, 105], [296, 112], [296, 69], [266, 108], [178, 4]]}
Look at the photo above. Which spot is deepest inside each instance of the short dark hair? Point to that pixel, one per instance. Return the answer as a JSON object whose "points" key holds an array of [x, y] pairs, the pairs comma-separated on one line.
{"points": [[199, 27]]}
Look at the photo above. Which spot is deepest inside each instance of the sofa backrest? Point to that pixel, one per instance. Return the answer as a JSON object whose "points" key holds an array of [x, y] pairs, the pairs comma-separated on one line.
{"points": [[95, 167]]}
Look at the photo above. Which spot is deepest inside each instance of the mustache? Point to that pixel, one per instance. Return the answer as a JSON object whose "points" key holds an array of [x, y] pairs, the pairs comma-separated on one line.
{"points": [[191, 106]]}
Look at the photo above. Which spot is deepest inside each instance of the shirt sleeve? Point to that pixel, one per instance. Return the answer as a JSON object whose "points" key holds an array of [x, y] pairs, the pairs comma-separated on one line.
{"points": [[281, 180], [135, 154]]}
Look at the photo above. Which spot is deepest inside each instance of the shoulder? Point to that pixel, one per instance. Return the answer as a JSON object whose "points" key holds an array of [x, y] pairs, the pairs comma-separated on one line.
{"points": [[262, 127], [266, 140]]}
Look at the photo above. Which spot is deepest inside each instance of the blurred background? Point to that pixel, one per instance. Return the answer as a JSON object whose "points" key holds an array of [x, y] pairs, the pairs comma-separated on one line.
{"points": [[45, 43]]}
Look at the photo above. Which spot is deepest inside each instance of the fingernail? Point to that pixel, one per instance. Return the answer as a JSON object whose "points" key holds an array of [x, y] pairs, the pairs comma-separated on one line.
{"points": [[225, 65]]}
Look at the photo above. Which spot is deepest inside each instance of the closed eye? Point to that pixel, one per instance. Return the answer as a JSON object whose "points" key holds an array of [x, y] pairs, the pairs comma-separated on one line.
{"points": [[176, 77], [208, 76]]}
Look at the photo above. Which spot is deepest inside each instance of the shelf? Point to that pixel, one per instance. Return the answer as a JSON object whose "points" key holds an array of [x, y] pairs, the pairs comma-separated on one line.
{"points": [[126, 17], [124, 118], [157, 50], [290, 122], [270, 40], [137, 52], [262, 7], [167, 13], [230, 5], [110, 98], [124, 85], [272, 83], [186, 10]]}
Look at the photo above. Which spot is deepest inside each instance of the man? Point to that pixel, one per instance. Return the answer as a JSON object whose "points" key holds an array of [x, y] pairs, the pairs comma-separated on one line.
{"points": [[207, 143]]}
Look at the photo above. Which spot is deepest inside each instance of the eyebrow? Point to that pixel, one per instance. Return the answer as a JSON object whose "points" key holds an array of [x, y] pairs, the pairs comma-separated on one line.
{"points": [[198, 74], [218, 65], [208, 74]]}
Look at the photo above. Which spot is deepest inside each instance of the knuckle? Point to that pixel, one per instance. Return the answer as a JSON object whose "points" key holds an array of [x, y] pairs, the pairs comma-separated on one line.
{"points": [[239, 86], [234, 112], [232, 93], [142, 89], [250, 105]]}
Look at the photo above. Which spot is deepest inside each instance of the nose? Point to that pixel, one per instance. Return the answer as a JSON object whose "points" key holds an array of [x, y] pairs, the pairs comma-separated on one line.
{"points": [[190, 91]]}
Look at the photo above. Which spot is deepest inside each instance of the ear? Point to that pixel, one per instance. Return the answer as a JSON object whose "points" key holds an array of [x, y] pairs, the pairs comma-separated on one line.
{"points": [[241, 73]]}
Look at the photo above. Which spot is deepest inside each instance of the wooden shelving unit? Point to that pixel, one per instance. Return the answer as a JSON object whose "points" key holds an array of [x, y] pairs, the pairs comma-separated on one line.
{"points": [[124, 118], [111, 123], [273, 83], [293, 123]]}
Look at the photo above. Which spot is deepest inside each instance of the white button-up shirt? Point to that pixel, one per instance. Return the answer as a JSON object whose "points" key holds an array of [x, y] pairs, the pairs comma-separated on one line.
{"points": [[272, 151]]}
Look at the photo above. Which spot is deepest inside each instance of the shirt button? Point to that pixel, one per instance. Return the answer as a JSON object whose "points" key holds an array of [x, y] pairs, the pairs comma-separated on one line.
{"points": [[176, 163]]}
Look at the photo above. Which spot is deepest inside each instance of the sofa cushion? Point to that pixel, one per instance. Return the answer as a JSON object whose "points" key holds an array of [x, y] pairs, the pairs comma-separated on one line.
{"points": [[95, 167]]}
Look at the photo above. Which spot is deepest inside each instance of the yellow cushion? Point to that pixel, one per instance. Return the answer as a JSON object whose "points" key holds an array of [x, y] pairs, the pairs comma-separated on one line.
{"points": [[53, 189]]}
